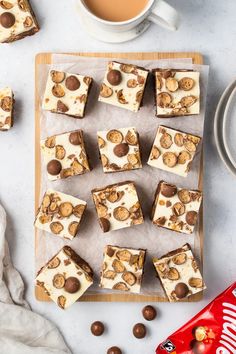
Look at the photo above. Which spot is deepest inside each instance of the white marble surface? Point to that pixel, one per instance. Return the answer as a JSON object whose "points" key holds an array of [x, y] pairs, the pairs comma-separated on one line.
{"points": [[207, 27]]}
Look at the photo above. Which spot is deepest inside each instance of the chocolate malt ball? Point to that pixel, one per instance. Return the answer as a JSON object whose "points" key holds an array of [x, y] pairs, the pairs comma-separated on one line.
{"points": [[114, 350], [139, 330], [114, 77], [97, 328], [149, 313]]}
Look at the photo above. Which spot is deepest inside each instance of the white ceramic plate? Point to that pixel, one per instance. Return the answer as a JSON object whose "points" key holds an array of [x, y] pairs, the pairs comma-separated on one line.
{"points": [[229, 127], [218, 127]]}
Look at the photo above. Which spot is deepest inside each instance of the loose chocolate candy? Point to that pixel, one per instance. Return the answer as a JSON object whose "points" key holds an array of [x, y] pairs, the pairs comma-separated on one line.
{"points": [[97, 328], [75, 138], [121, 150], [139, 330], [114, 350], [54, 167], [105, 224], [7, 19], [181, 290], [114, 77], [72, 285], [168, 190], [72, 83], [149, 313], [191, 217]]}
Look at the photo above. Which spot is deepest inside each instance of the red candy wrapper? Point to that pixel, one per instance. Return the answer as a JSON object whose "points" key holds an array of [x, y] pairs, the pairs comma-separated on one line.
{"points": [[211, 331]]}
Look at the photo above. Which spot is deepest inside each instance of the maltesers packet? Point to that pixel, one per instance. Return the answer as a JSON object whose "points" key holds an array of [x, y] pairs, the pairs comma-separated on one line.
{"points": [[211, 331]]}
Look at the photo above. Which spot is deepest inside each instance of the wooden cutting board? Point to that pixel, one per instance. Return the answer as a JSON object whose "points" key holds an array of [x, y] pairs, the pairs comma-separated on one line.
{"points": [[45, 58]]}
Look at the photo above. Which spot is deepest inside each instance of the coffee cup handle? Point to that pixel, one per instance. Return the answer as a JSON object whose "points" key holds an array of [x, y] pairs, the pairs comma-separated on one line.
{"points": [[164, 15]]}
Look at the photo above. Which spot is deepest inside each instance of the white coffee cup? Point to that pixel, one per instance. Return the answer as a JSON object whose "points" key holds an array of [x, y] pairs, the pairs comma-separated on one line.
{"points": [[156, 11]]}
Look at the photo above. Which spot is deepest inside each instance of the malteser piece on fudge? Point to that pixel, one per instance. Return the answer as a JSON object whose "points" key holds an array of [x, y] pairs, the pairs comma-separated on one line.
{"points": [[177, 92], [6, 109], [176, 208], [66, 93], [173, 150], [65, 277], [17, 20], [65, 155], [60, 214], [119, 149], [122, 269], [117, 206], [179, 274], [123, 85]]}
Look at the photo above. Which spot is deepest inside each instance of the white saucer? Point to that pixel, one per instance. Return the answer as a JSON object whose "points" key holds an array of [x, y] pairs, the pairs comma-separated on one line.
{"points": [[218, 127], [113, 37], [229, 127]]}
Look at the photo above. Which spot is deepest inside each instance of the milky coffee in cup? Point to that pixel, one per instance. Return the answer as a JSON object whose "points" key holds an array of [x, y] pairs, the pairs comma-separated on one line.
{"points": [[116, 10]]}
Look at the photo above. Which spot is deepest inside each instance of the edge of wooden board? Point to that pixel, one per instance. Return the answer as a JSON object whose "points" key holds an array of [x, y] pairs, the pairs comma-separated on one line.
{"points": [[45, 58]]}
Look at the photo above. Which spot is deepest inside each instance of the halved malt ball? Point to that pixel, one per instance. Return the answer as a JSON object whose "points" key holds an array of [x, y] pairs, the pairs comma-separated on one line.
{"points": [[132, 83], [105, 224], [172, 84], [131, 138], [65, 209], [169, 159], [121, 213], [78, 210], [61, 301], [120, 286], [129, 278], [188, 101], [123, 255], [190, 146], [178, 209], [115, 136], [186, 83], [133, 159], [60, 152], [195, 282], [105, 91], [166, 141], [115, 196], [183, 157], [28, 22], [179, 259], [139, 96], [164, 99], [155, 153], [179, 139], [54, 263], [58, 281], [50, 142], [56, 227], [58, 90], [184, 196], [6, 103], [6, 5], [121, 97], [57, 76], [62, 107], [73, 228], [101, 142], [173, 274], [118, 266], [191, 217]]}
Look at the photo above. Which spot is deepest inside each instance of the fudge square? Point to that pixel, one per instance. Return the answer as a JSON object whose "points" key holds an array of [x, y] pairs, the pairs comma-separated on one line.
{"points": [[177, 92], [176, 208], [179, 273], [6, 109], [66, 93], [17, 20], [60, 214], [122, 269], [123, 85], [117, 206], [65, 155], [119, 149], [65, 277], [173, 150]]}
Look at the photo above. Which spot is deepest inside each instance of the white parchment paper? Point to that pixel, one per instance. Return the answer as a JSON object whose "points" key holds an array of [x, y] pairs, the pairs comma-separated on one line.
{"points": [[99, 116]]}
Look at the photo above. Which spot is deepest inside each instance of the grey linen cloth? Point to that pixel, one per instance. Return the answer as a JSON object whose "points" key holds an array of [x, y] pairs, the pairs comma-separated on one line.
{"points": [[21, 330]]}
